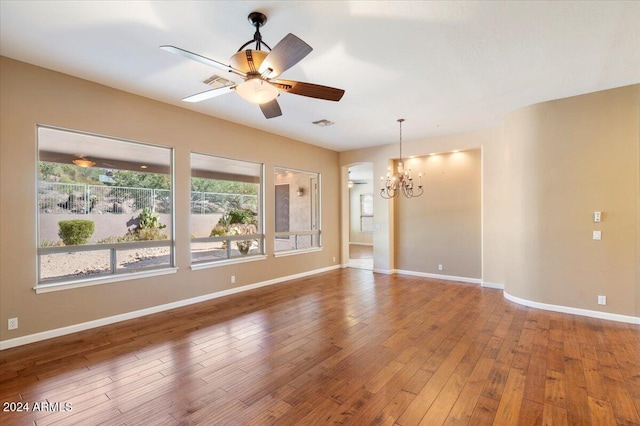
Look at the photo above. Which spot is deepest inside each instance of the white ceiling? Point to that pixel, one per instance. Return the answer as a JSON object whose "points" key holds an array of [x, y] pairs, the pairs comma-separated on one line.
{"points": [[361, 172], [444, 66]]}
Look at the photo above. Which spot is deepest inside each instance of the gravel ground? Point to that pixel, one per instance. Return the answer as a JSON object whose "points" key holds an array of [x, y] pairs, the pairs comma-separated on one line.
{"points": [[87, 263]]}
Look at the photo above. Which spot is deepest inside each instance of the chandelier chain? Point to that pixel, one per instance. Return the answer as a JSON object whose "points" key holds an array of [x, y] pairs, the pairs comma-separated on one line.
{"points": [[400, 120]]}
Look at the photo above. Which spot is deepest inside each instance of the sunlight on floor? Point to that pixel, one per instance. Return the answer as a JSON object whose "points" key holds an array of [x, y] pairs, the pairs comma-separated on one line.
{"points": [[360, 256]]}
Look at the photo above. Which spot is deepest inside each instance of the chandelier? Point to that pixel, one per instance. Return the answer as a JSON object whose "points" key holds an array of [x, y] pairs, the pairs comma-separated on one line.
{"points": [[401, 181]]}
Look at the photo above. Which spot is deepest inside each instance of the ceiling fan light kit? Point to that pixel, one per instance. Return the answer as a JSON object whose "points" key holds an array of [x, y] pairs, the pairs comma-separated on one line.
{"points": [[259, 70], [83, 162], [257, 91]]}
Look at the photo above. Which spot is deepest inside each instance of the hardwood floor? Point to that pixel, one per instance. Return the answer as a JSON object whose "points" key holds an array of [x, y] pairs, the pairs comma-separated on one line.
{"points": [[347, 346]]}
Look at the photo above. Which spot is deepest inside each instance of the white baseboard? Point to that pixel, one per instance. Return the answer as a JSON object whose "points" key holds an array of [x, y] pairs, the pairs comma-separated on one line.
{"points": [[440, 277], [36, 337], [574, 311], [492, 285], [385, 271]]}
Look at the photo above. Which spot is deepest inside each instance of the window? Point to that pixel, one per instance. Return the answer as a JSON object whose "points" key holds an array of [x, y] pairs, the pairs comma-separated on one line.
{"points": [[297, 211], [105, 207], [226, 210], [366, 213]]}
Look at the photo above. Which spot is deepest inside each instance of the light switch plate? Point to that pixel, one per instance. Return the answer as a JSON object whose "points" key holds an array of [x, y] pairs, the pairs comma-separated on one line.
{"points": [[597, 235]]}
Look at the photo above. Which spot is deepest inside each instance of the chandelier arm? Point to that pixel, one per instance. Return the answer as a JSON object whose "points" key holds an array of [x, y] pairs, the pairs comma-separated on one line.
{"points": [[401, 180], [390, 191]]}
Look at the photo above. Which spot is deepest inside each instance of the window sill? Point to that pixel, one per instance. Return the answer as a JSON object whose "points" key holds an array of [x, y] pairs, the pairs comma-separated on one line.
{"points": [[285, 253], [87, 282], [216, 263]]}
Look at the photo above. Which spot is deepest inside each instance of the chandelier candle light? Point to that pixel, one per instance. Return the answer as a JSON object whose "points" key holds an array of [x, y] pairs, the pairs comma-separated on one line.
{"points": [[401, 181]]}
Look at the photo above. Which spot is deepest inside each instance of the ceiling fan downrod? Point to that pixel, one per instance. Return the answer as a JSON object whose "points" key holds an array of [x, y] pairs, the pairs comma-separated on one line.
{"points": [[256, 19]]}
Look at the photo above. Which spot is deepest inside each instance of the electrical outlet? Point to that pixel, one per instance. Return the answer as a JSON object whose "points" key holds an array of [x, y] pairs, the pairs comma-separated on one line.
{"points": [[602, 300], [12, 323], [334, 259], [233, 279], [440, 267]]}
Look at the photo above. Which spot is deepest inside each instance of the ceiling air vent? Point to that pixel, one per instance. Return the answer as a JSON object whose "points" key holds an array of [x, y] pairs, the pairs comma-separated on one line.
{"points": [[217, 82], [323, 123]]}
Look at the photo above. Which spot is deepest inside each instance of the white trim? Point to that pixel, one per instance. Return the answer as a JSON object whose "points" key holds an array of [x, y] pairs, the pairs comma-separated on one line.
{"points": [[482, 283], [48, 288], [492, 285], [235, 260], [385, 271], [294, 252], [36, 337], [574, 311], [440, 277], [361, 244]]}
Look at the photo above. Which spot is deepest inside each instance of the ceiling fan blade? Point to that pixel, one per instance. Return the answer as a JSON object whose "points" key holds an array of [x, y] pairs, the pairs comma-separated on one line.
{"points": [[308, 89], [201, 59], [271, 109], [288, 52], [208, 94]]}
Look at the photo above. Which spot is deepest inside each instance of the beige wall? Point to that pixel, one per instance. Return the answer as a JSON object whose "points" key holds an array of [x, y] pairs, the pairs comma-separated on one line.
{"points": [[31, 95], [443, 226], [567, 159], [544, 173], [492, 215]]}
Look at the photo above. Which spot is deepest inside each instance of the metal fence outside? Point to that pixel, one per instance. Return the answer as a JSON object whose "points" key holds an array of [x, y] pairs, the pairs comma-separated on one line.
{"points": [[58, 197], [216, 202]]}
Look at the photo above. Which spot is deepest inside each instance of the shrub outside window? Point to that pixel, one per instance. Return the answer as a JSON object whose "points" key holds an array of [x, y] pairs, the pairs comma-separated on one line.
{"points": [[297, 211], [226, 210], [105, 207]]}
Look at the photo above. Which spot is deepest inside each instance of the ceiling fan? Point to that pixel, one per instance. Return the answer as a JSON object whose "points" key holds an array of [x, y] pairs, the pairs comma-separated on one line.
{"points": [[259, 70]]}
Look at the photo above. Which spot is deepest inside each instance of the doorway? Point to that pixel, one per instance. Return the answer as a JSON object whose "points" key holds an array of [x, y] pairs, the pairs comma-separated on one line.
{"points": [[361, 220]]}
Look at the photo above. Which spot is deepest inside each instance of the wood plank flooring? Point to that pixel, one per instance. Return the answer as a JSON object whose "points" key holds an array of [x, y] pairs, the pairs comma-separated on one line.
{"points": [[348, 347]]}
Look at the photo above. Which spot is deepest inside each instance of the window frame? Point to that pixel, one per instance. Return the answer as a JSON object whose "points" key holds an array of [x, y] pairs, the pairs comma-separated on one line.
{"points": [[260, 236], [114, 274], [318, 212]]}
